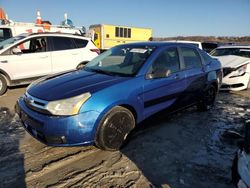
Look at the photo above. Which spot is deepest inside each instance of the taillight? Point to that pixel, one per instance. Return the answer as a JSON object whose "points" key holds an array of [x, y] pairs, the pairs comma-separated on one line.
{"points": [[95, 50]]}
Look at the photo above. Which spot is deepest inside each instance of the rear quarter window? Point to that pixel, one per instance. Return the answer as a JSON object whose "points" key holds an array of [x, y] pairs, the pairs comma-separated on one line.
{"points": [[208, 47], [62, 43], [81, 43], [191, 58]]}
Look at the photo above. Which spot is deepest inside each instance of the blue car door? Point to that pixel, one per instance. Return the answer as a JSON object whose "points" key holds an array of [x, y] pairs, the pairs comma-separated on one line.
{"points": [[195, 74], [164, 82]]}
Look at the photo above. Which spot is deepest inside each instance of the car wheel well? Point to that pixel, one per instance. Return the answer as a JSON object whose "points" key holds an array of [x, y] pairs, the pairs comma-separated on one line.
{"points": [[6, 76], [131, 109], [215, 85], [114, 127]]}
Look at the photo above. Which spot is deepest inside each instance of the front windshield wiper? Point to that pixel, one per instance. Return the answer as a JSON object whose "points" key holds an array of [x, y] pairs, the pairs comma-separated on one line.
{"points": [[106, 72], [99, 71]]}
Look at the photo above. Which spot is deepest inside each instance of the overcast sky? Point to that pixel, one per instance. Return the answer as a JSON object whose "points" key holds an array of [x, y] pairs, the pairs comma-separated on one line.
{"points": [[166, 17]]}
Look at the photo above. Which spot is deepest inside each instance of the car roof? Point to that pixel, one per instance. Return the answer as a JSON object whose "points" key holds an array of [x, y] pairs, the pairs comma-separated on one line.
{"points": [[234, 46], [185, 41], [55, 34], [157, 44]]}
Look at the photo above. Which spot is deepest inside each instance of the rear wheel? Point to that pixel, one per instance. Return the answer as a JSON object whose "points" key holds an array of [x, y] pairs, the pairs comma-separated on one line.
{"points": [[3, 84], [114, 128], [208, 99]]}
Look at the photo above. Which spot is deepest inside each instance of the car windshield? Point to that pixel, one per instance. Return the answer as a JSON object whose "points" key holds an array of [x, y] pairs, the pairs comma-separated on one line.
{"points": [[123, 60], [243, 52], [8, 42], [208, 47]]}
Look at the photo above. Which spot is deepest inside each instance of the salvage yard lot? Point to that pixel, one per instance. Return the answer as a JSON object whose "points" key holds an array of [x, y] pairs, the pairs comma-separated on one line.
{"points": [[187, 149]]}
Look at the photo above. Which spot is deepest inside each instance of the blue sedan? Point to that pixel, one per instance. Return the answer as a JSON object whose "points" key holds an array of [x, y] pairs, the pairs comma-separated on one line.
{"points": [[101, 103]]}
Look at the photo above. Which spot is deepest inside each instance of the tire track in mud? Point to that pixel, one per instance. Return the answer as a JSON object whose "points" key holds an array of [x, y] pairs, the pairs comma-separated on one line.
{"points": [[86, 169]]}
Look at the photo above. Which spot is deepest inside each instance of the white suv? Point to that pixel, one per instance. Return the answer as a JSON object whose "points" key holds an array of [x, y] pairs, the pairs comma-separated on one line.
{"points": [[27, 57]]}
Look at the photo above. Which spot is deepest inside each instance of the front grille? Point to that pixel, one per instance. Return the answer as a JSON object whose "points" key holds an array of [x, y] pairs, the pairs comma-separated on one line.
{"points": [[227, 71], [36, 104], [224, 86]]}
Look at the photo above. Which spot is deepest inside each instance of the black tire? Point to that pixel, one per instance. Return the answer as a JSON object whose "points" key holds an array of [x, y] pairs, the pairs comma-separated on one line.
{"points": [[3, 85], [114, 128], [208, 99]]}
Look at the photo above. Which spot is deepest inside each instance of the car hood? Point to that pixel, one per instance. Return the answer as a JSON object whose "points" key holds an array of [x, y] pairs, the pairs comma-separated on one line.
{"points": [[70, 84], [232, 61]]}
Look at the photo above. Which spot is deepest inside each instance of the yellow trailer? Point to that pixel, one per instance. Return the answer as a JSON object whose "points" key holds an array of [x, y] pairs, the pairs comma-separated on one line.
{"points": [[106, 36]]}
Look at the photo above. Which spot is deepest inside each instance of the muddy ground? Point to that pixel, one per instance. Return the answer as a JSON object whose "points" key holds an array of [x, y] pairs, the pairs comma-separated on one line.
{"points": [[186, 149]]}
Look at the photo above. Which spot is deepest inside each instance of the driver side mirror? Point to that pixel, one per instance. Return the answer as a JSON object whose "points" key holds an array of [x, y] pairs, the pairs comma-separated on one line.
{"points": [[17, 51], [158, 74], [149, 76]]}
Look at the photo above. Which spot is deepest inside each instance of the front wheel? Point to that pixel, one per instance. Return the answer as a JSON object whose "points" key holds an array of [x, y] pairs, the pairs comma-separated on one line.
{"points": [[208, 99], [114, 128]]}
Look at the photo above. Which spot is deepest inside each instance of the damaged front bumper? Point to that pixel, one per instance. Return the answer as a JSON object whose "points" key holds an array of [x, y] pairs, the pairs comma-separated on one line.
{"points": [[235, 83], [58, 130]]}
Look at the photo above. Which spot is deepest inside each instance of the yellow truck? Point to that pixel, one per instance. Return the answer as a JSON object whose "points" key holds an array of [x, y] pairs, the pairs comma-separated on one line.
{"points": [[106, 36]]}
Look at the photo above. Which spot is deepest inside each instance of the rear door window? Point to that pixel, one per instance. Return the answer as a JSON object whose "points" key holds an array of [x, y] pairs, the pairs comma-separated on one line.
{"points": [[191, 58], [62, 43], [81, 43]]}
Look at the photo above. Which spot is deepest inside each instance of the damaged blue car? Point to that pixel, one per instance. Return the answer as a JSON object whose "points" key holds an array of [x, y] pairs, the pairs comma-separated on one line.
{"points": [[101, 103]]}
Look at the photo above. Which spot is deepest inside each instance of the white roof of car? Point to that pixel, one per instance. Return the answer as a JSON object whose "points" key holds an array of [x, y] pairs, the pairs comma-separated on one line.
{"points": [[196, 43], [234, 46], [57, 34], [185, 41]]}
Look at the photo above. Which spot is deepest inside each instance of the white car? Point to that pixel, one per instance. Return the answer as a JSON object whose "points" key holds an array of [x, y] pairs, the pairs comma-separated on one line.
{"points": [[206, 46], [235, 61], [27, 57]]}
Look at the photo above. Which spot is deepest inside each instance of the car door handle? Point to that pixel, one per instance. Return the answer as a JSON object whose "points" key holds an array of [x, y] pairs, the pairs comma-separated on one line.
{"points": [[4, 61]]}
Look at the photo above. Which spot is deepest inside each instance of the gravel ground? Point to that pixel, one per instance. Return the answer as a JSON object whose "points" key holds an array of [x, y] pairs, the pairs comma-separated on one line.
{"points": [[185, 149]]}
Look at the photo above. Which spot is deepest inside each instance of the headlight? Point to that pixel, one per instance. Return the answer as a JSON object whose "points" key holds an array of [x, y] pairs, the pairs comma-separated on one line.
{"points": [[66, 107], [239, 71]]}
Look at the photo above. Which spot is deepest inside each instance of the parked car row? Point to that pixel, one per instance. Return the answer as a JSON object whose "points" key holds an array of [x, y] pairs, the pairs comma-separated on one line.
{"points": [[102, 101], [26, 57]]}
